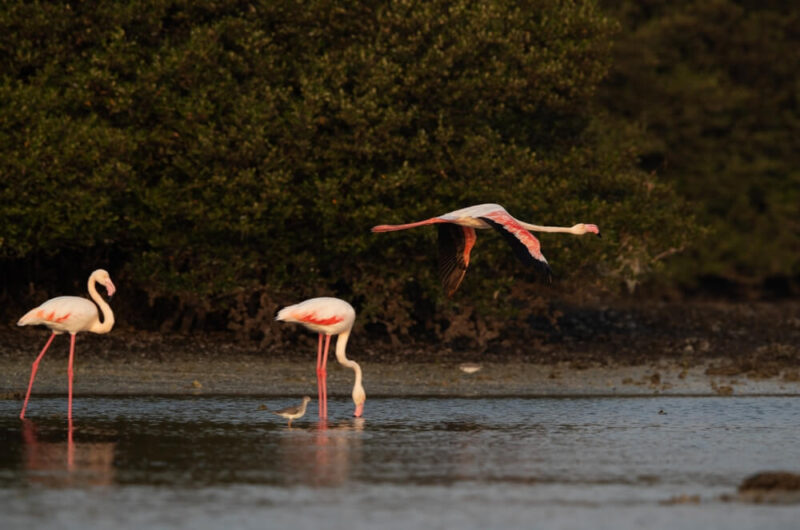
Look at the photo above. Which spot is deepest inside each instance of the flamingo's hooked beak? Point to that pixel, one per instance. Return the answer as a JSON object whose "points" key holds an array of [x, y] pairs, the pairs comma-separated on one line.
{"points": [[359, 410], [593, 229], [110, 287]]}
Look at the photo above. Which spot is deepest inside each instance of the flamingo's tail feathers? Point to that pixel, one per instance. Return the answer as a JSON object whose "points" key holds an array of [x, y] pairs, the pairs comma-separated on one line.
{"points": [[28, 318], [284, 314], [392, 228]]}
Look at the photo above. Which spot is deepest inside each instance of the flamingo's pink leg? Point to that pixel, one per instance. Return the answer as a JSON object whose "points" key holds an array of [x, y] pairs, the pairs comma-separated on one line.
{"points": [[28, 433], [392, 228], [69, 374], [33, 374], [70, 446], [325, 377], [319, 377]]}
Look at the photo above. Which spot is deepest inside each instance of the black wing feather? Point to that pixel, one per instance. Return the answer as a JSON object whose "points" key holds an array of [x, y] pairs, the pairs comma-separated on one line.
{"points": [[520, 250], [452, 266]]}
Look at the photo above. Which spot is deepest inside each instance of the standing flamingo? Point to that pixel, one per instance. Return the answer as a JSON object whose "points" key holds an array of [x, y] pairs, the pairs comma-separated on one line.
{"points": [[328, 316], [71, 314], [457, 236]]}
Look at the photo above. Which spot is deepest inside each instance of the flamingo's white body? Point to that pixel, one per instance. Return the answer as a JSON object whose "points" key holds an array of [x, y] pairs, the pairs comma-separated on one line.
{"points": [[70, 314], [457, 237], [328, 316]]}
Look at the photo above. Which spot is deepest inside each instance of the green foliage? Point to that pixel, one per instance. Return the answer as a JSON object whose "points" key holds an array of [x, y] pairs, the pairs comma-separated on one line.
{"points": [[714, 88], [220, 147]]}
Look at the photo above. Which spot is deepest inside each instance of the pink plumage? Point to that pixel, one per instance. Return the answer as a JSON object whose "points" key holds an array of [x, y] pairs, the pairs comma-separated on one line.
{"points": [[457, 236], [328, 316], [70, 314]]}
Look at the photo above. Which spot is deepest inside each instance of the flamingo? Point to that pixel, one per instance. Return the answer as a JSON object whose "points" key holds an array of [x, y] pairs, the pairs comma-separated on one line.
{"points": [[71, 314], [457, 236], [328, 316]]}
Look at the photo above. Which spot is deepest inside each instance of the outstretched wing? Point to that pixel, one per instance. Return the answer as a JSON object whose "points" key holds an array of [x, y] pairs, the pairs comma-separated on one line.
{"points": [[455, 244], [524, 244]]}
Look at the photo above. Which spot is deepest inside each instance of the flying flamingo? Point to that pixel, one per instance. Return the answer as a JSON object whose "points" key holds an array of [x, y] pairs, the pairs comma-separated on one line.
{"points": [[328, 316], [457, 236], [71, 314]]}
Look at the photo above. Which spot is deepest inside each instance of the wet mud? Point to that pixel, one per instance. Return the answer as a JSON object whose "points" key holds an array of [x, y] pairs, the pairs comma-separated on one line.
{"points": [[697, 348]]}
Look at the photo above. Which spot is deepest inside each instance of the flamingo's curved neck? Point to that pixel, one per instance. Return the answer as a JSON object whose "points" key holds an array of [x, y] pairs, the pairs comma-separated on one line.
{"points": [[108, 315], [341, 356], [540, 228]]}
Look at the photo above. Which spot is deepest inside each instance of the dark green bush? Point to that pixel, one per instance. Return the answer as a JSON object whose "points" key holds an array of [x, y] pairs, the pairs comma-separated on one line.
{"points": [[713, 87], [234, 155]]}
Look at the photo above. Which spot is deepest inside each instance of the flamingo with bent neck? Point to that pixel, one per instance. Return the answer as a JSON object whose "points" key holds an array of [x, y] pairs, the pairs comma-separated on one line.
{"points": [[457, 236], [71, 314], [328, 316]]}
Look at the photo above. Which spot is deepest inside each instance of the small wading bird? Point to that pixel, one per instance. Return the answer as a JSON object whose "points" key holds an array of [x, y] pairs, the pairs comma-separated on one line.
{"points": [[457, 236], [328, 316], [70, 314], [293, 413]]}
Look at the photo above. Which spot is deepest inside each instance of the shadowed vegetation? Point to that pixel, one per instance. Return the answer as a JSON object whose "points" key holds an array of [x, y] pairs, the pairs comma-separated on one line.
{"points": [[224, 158], [712, 88]]}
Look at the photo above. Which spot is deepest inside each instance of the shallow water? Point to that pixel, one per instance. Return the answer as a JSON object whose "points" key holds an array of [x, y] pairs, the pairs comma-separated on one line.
{"points": [[215, 461]]}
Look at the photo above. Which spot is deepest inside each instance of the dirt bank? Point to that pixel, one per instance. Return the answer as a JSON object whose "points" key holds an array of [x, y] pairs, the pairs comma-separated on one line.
{"points": [[646, 348]]}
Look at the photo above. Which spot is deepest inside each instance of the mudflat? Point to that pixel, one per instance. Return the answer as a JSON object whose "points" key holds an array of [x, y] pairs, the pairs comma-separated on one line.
{"points": [[698, 348]]}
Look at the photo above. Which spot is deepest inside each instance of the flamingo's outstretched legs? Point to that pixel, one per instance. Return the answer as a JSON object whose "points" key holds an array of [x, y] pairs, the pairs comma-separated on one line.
{"points": [[69, 373], [70, 448], [33, 374], [319, 377], [325, 378]]}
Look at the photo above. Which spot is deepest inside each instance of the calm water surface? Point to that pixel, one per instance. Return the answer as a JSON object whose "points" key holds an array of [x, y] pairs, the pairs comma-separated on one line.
{"points": [[214, 462]]}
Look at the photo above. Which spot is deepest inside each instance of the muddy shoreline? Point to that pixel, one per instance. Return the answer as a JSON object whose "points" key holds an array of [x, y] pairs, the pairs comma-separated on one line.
{"points": [[248, 376], [698, 348]]}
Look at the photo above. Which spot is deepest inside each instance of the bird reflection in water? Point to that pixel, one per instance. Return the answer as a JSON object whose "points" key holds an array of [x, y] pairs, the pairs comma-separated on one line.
{"points": [[66, 463], [324, 456]]}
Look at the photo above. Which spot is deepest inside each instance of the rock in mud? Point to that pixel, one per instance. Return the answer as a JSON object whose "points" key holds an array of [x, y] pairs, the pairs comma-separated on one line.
{"points": [[469, 368], [682, 499], [770, 487]]}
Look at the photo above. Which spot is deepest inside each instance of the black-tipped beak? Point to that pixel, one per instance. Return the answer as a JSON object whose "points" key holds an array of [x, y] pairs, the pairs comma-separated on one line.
{"points": [[599, 236]]}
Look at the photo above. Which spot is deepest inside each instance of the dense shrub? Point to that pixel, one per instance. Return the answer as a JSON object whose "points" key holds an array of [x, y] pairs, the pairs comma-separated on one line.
{"points": [[232, 156], [713, 87]]}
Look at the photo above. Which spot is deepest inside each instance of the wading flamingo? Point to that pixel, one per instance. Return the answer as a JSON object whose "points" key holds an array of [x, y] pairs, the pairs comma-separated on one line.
{"points": [[71, 314], [328, 316], [457, 236]]}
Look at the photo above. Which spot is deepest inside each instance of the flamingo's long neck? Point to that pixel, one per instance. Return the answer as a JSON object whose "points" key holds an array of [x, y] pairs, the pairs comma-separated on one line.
{"points": [[341, 356], [108, 315], [560, 229]]}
